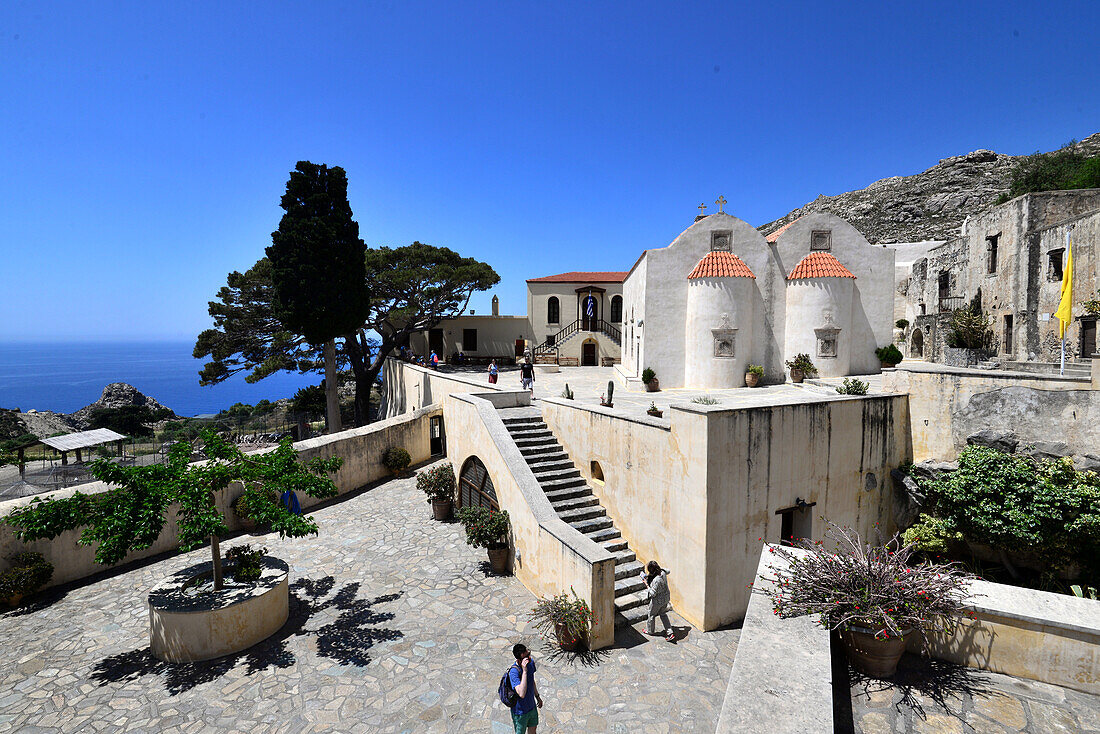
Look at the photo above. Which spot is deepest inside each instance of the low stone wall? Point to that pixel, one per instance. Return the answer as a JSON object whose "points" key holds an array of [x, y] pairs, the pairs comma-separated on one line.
{"points": [[550, 556], [407, 387], [361, 449], [948, 404]]}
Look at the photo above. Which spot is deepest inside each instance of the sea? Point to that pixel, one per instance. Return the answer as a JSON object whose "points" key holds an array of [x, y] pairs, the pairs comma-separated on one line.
{"points": [[65, 376]]}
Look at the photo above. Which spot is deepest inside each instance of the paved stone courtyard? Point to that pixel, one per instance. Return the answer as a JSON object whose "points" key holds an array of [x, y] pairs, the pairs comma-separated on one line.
{"points": [[929, 696], [396, 626]]}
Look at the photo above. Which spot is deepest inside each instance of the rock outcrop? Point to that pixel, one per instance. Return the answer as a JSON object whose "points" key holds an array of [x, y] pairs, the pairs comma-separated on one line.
{"points": [[926, 206], [116, 395]]}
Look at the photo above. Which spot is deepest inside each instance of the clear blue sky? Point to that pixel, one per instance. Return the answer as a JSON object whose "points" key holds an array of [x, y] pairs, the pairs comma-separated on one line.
{"points": [[146, 145]]}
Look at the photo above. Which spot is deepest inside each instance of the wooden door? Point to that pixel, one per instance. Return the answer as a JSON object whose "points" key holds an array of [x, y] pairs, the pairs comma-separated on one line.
{"points": [[435, 342], [520, 344], [588, 354], [1088, 338]]}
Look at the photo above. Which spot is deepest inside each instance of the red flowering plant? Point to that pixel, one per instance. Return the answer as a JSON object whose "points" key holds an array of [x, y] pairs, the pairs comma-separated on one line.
{"points": [[485, 528], [869, 586], [569, 619]]}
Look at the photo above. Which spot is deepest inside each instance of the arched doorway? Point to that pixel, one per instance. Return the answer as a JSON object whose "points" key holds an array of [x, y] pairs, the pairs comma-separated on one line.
{"points": [[475, 486], [589, 353], [916, 344]]}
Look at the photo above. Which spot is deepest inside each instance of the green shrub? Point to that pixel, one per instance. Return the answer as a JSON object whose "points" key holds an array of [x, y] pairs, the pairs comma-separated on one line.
{"points": [[647, 375], [29, 572], [705, 400], [755, 369], [852, 386], [1018, 504], [247, 563], [901, 323], [484, 527], [254, 503], [396, 459], [969, 330], [438, 483], [801, 362], [931, 535], [888, 354], [1058, 170]]}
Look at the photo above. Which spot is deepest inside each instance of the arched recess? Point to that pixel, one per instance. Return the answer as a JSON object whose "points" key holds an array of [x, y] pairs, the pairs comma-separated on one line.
{"points": [[475, 486], [616, 309], [553, 310], [916, 344]]}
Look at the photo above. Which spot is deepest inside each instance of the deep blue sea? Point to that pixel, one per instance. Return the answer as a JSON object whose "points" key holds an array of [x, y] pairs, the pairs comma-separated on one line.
{"points": [[64, 377]]}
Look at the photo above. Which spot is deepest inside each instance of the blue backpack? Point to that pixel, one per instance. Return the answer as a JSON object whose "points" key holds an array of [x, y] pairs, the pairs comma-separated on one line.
{"points": [[507, 694]]}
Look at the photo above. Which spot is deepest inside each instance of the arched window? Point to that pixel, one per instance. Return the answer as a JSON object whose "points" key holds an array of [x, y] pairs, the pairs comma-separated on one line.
{"points": [[616, 309], [553, 311], [475, 487]]}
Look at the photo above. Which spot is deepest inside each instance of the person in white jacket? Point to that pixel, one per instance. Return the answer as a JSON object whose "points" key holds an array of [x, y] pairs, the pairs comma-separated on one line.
{"points": [[656, 582]]}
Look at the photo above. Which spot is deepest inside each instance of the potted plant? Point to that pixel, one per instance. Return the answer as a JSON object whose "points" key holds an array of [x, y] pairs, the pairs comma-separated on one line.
{"points": [[902, 324], [801, 367], [489, 530], [754, 375], [396, 459], [868, 594], [569, 619], [649, 378], [654, 411], [243, 510], [889, 355], [29, 572], [439, 484], [1092, 305]]}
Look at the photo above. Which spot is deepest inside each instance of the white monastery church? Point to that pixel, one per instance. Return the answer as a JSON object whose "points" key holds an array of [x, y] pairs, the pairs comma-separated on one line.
{"points": [[698, 312]]}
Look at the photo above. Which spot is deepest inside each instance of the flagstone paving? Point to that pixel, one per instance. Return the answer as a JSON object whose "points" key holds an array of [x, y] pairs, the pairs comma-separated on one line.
{"points": [[396, 626]]}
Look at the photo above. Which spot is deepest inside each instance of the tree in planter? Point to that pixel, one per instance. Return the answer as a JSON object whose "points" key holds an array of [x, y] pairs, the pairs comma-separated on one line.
{"points": [[131, 515], [889, 354], [489, 530], [396, 459], [439, 484]]}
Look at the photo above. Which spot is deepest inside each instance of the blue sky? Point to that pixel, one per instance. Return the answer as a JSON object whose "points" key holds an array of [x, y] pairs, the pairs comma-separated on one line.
{"points": [[146, 145]]}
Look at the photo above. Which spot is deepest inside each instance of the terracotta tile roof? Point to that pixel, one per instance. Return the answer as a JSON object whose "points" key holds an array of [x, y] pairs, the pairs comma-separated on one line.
{"points": [[819, 265], [721, 265], [583, 276], [774, 236]]}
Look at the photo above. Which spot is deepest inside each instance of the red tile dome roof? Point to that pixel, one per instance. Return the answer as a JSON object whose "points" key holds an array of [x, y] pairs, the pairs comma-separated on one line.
{"points": [[819, 265], [721, 265]]}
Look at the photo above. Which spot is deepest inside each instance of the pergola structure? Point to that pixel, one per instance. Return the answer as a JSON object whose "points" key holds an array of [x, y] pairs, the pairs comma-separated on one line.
{"points": [[78, 441]]}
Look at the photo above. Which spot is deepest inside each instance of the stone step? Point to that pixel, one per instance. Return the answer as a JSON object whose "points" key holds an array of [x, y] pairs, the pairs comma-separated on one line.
{"points": [[530, 431], [548, 457], [630, 601], [540, 448], [629, 586], [593, 526], [630, 569], [536, 441], [573, 503], [568, 486], [623, 554], [555, 465], [549, 476], [612, 533], [523, 420], [630, 617], [578, 514]]}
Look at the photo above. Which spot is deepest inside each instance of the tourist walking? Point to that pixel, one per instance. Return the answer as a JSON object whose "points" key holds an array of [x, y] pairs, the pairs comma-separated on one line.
{"points": [[493, 372], [434, 359], [527, 375], [656, 583], [525, 711]]}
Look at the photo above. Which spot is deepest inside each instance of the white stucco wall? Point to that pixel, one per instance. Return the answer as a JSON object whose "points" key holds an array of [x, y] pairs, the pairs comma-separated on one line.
{"points": [[811, 303], [496, 336], [718, 303]]}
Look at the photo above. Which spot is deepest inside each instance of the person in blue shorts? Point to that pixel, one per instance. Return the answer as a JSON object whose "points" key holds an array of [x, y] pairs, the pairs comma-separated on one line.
{"points": [[525, 711]]}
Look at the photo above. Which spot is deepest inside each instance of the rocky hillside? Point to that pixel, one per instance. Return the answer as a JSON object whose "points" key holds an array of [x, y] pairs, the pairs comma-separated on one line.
{"points": [[926, 206], [43, 423], [117, 395]]}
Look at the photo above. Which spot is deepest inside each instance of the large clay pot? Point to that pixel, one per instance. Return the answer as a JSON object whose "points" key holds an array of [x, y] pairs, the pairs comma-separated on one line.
{"points": [[566, 642], [498, 560], [871, 655], [751, 380], [442, 509], [14, 599], [887, 365], [653, 385], [797, 375]]}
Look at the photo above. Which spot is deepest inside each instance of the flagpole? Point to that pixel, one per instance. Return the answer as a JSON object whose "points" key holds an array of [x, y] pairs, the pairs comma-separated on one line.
{"points": [[1062, 324]]}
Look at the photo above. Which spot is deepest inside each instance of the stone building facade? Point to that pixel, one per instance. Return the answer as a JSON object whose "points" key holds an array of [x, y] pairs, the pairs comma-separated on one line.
{"points": [[1010, 262]]}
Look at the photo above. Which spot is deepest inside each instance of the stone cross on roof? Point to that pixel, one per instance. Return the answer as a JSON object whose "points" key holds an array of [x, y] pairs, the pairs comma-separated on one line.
{"points": [[721, 202], [702, 210]]}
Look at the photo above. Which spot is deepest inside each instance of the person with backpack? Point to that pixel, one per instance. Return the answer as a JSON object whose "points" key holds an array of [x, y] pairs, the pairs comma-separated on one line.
{"points": [[527, 375], [519, 692], [434, 360], [656, 584]]}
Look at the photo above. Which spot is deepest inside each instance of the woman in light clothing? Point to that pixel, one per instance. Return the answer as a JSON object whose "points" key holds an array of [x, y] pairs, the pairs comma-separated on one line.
{"points": [[656, 582], [493, 372]]}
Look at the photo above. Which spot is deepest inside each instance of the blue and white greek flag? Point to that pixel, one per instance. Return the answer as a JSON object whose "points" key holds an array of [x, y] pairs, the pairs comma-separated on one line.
{"points": [[590, 307]]}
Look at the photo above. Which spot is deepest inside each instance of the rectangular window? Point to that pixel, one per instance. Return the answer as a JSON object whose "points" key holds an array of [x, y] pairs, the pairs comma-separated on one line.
{"points": [[469, 340], [821, 240], [991, 253], [1054, 264], [720, 241]]}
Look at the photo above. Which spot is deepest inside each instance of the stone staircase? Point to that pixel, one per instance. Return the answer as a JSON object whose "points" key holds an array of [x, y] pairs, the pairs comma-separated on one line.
{"points": [[573, 500]]}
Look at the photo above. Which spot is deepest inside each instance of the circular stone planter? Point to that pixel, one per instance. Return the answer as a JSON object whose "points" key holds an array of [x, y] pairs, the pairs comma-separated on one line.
{"points": [[186, 628]]}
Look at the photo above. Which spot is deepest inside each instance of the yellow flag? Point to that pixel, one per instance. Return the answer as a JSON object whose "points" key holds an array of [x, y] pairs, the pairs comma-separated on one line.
{"points": [[1065, 308]]}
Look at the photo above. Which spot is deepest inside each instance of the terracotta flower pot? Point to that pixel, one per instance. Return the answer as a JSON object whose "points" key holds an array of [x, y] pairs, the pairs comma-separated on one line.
{"points": [[14, 599], [797, 375], [887, 365], [498, 560], [871, 655], [751, 380], [442, 509], [653, 385], [567, 642]]}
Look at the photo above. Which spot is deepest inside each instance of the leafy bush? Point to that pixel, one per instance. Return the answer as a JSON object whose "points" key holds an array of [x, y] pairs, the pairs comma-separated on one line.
{"points": [[438, 483], [396, 459], [901, 323], [755, 369], [866, 585], [705, 400], [931, 535], [29, 572], [888, 354], [802, 363], [853, 386], [572, 617], [247, 563], [1058, 170], [647, 375], [1017, 504], [969, 330], [484, 527], [254, 503]]}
